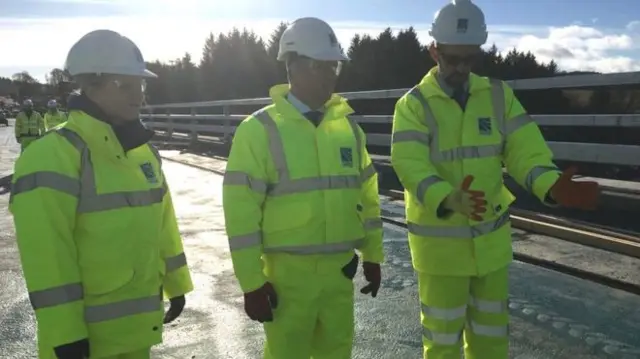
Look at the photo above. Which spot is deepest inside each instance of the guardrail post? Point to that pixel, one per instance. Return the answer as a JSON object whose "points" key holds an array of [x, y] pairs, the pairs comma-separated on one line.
{"points": [[169, 128], [228, 135], [194, 123]]}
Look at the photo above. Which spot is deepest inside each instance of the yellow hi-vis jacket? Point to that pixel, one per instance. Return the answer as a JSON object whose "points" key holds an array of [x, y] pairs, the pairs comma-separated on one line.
{"points": [[52, 120], [436, 145], [98, 238], [29, 126], [295, 189]]}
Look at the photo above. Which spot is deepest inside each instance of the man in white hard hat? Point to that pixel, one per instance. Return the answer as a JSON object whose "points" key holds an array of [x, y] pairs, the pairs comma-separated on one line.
{"points": [[53, 117], [29, 125], [301, 195], [106, 247], [451, 134]]}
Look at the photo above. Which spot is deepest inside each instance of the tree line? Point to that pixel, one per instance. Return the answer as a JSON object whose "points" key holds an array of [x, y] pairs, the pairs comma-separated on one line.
{"points": [[240, 64]]}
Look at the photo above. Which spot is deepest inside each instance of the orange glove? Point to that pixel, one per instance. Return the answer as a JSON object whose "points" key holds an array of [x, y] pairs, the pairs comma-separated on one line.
{"points": [[466, 201], [572, 194]]}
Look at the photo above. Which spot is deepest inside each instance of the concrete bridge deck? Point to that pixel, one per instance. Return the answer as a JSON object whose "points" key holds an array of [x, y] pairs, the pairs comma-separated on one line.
{"points": [[553, 315]]}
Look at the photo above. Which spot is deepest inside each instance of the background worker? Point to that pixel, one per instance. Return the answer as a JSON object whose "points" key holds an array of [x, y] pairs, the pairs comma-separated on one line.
{"points": [[451, 134], [53, 117], [301, 194], [29, 125], [95, 223]]}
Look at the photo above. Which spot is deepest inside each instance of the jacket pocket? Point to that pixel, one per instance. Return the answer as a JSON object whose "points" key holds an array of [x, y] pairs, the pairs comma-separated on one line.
{"points": [[106, 280], [285, 215]]}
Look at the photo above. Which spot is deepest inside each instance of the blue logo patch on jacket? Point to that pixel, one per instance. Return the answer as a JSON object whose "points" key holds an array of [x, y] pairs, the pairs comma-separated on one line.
{"points": [[484, 125], [149, 174], [346, 156]]}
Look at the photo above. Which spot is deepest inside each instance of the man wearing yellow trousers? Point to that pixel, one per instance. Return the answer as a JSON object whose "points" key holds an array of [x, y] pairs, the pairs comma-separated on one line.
{"points": [[300, 195], [451, 134]]}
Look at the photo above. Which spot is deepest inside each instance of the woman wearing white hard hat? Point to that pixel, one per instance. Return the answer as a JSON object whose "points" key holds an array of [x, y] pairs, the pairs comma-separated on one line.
{"points": [[451, 134], [95, 224]]}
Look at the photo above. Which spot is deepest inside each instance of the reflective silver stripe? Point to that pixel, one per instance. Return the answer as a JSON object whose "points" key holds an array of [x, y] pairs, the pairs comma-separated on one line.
{"points": [[517, 123], [328, 248], [489, 306], [444, 314], [90, 200], [56, 296], [314, 184], [459, 232], [175, 262], [411, 136], [435, 154], [367, 172], [276, 146], [372, 224], [359, 142], [498, 105], [432, 125], [489, 330], [536, 172], [245, 241], [467, 152], [441, 338], [45, 179], [424, 185], [125, 308], [243, 179]]}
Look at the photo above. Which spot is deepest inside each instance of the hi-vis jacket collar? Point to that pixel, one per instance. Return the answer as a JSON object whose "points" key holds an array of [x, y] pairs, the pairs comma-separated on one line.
{"points": [[96, 127], [336, 107], [431, 86]]}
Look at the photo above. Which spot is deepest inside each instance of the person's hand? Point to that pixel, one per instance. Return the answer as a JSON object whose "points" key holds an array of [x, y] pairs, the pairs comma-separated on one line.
{"points": [[471, 203], [175, 309], [575, 194], [259, 304], [373, 275]]}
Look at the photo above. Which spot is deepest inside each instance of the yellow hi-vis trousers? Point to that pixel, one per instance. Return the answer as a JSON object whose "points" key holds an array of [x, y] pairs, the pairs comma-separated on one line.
{"points": [[314, 317], [475, 306]]}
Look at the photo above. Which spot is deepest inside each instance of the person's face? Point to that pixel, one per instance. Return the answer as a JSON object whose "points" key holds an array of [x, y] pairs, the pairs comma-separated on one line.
{"points": [[319, 78], [455, 61], [120, 96]]}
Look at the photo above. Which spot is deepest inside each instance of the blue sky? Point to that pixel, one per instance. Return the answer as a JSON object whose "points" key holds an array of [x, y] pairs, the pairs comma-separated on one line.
{"points": [[589, 34]]}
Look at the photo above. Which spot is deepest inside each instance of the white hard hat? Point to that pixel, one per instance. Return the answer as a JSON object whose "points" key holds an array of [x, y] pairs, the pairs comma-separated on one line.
{"points": [[310, 37], [27, 102], [52, 103], [459, 23], [106, 52]]}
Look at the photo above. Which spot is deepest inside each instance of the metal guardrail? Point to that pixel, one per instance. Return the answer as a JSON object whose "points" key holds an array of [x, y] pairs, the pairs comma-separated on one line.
{"points": [[222, 126]]}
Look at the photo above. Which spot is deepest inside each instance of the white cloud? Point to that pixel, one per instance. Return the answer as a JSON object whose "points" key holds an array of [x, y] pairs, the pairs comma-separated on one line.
{"points": [[38, 43]]}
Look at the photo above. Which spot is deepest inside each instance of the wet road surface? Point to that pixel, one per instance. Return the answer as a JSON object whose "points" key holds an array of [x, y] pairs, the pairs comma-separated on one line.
{"points": [[553, 316]]}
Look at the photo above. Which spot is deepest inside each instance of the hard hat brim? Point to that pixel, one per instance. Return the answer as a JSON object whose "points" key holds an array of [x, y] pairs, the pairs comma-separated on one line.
{"points": [[330, 56]]}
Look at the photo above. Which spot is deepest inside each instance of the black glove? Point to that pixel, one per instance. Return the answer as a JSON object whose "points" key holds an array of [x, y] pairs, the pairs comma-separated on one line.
{"points": [[175, 309], [75, 350], [373, 275], [258, 304]]}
